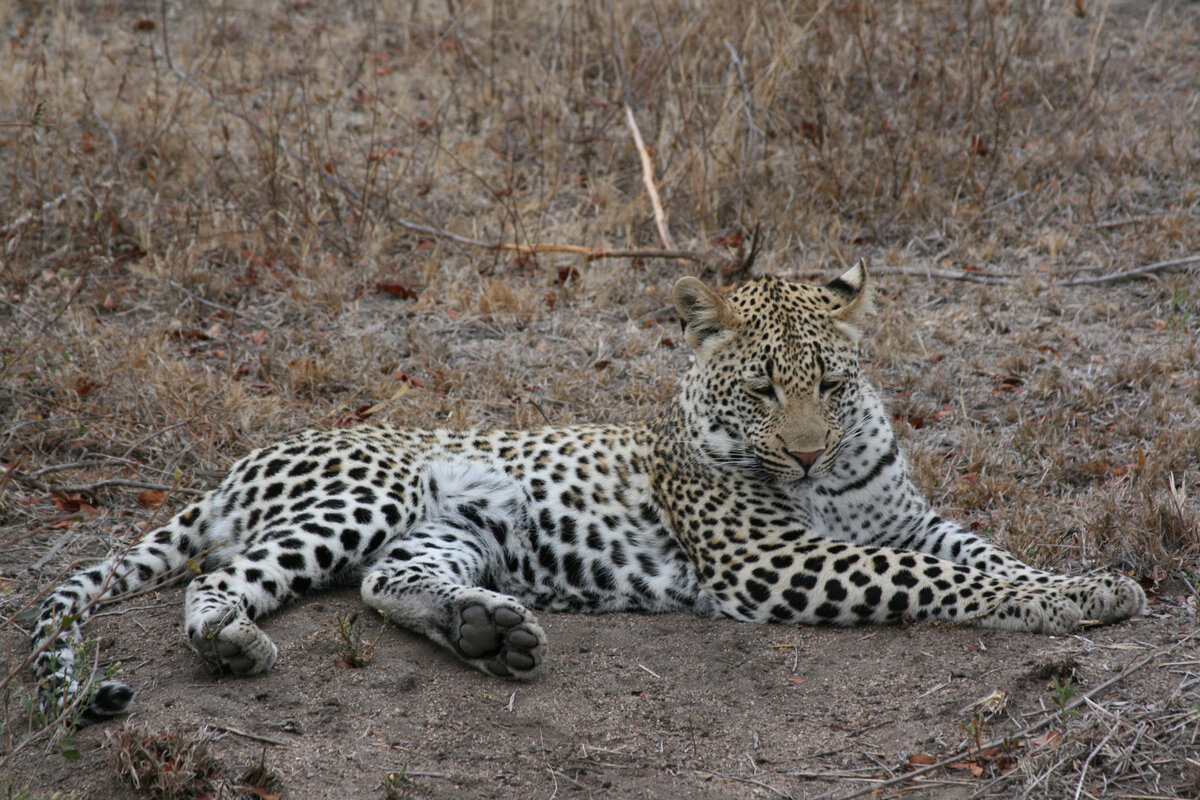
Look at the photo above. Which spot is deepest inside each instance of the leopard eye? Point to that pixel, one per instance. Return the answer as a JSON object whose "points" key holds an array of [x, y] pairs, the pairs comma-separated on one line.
{"points": [[765, 390], [831, 385]]}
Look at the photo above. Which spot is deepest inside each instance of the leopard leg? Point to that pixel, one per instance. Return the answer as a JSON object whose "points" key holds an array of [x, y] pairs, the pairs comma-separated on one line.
{"points": [[1103, 597], [835, 583], [872, 501], [430, 582], [220, 610]]}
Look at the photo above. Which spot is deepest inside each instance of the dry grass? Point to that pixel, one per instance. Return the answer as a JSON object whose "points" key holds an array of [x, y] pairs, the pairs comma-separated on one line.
{"points": [[190, 268], [179, 764]]}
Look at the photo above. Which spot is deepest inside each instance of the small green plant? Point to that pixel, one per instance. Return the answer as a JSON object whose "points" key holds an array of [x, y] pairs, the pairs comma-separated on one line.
{"points": [[355, 651], [976, 728], [396, 784], [1063, 690], [1179, 303], [1192, 576]]}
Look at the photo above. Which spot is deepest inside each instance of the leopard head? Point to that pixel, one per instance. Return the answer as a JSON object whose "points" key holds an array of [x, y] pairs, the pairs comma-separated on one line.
{"points": [[776, 373]]}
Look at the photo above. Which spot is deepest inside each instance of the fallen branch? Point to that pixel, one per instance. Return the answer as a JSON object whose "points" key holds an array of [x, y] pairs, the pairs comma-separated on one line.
{"points": [[1113, 277], [595, 253], [1003, 278], [254, 737], [87, 488], [751, 781], [660, 217], [992, 279]]}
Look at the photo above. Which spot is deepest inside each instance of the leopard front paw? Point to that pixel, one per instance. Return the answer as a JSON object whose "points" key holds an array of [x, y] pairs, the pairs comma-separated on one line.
{"points": [[1105, 598], [1033, 609]]}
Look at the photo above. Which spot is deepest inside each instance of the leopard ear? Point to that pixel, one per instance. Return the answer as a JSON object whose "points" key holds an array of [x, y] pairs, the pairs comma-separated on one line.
{"points": [[702, 312], [854, 292]]}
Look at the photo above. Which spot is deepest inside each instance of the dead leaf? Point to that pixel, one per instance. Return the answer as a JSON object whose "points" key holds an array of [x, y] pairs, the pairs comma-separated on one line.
{"points": [[72, 504], [402, 376], [151, 498], [921, 760], [84, 387], [1050, 739], [397, 289]]}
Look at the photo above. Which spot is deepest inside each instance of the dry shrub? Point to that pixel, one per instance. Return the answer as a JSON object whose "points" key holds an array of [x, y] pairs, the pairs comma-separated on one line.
{"points": [[1152, 525], [175, 765]]}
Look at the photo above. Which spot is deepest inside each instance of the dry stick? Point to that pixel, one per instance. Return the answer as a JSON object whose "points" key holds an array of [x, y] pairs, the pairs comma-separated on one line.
{"points": [[589, 254], [1037, 726], [254, 737], [660, 219], [1002, 278], [1132, 273], [946, 274], [750, 781], [84, 488]]}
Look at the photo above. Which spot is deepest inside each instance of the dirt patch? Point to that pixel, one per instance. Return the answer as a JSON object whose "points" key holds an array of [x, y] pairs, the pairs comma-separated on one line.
{"points": [[628, 706]]}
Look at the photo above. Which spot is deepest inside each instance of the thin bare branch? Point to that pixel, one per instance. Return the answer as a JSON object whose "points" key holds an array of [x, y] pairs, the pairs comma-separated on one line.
{"points": [[1114, 277]]}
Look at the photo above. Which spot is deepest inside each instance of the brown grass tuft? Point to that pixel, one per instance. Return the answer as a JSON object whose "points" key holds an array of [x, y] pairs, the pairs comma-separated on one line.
{"points": [[175, 765]]}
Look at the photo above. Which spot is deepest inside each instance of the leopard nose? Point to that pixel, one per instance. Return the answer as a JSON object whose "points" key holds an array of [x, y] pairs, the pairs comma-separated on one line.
{"points": [[806, 458]]}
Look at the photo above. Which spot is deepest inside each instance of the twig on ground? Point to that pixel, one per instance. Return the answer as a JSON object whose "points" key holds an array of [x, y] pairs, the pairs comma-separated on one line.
{"points": [[660, 216], [750, 781], [595, 253], [251, 736], [1114, 277], [996, 279], [1003, 278], [82, 488]]}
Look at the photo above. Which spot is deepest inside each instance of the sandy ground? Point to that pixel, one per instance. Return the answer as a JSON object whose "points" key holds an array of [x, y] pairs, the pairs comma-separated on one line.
{"points": [[628, 706]]}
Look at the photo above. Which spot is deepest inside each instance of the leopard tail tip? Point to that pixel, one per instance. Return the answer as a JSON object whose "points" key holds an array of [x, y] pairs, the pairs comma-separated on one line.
{"points": [[113, 698]]}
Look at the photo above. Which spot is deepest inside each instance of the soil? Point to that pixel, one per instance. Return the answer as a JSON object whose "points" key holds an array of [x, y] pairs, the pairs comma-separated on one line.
{"points": [[627, 706]]}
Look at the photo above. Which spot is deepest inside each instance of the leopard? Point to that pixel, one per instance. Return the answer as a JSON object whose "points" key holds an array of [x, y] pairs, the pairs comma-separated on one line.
{"points": [[771, 488]]}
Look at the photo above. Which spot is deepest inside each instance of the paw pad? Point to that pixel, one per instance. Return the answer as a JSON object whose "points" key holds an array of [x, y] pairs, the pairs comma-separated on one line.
{"points": [[501, 640]]}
